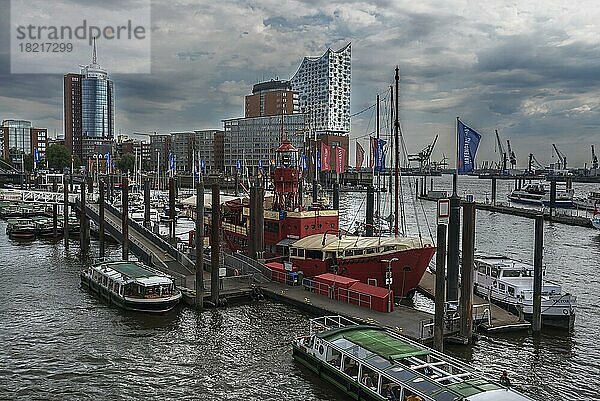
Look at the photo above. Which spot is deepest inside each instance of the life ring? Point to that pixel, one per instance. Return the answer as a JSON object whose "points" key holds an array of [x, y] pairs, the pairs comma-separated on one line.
{"points": [[236, 272]]}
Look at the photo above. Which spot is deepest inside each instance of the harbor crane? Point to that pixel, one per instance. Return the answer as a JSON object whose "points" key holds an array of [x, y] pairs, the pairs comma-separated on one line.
{"points": [[532, 159], [502, 163], [511, 156], [424, 156], [594, 159], [562, 158]]}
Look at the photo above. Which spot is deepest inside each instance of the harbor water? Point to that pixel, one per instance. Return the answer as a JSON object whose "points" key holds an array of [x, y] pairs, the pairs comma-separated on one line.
{"points": [[59, 342]]}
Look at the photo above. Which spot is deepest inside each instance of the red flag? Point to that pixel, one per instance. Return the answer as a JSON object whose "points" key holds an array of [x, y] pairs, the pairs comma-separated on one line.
{"points": [[372, 151], [340, 159], [325, 157], [360, 156]]}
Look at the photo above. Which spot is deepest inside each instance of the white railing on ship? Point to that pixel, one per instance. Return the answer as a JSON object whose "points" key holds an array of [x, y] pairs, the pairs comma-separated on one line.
{"points": [[320, 324]]}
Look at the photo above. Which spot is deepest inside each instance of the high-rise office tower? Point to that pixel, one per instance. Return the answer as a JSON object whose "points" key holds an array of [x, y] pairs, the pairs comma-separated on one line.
{"points": [[89, 110]]}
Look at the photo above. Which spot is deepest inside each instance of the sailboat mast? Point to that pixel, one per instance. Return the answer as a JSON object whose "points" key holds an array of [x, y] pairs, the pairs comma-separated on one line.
{"points": [[378, 170], [397, 157], [391, 136]]}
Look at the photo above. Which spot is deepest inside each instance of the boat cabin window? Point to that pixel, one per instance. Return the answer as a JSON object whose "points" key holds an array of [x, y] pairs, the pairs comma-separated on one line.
{"points": [[390, 390], [369, 378], [334, 357], [293, 252], [494, 272], [511, 291], [314, 254], [511, 273], [351, 367], [502, 287], [400, 373], [300, 253], [371, 250]]}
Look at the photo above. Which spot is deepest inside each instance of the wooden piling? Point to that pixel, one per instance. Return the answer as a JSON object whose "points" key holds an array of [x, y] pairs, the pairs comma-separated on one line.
{"points": [[147, 203], [83, 237], [66, 214], [215, 247], [453, 243], [440, 288], [260, 222], [101, 223], [252, 217], [55, 212], [536, 320], [125, 217], [315, 191], [494, 187], [466, 289], [552, 198], [200, 245], [172, 209]]}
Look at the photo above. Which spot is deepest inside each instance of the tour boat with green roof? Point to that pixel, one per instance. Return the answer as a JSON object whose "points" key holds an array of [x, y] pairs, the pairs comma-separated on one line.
{"points": [[132, 286], [374, 363]]}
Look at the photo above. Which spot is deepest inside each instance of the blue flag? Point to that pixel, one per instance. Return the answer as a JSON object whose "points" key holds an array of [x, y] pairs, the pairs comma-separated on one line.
{"points": [[318, 160], [468, 141], [238, 165], [36, 155], [202, 165], [304, 163], [379, 155], [107, 158], [260, 164]]}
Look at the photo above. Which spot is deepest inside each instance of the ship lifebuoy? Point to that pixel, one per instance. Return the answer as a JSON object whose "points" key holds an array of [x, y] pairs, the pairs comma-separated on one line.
{"points": [[236, 272]]}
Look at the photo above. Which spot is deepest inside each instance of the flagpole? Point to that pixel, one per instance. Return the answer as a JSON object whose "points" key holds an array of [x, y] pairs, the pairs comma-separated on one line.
{"points": [[455, 180]]}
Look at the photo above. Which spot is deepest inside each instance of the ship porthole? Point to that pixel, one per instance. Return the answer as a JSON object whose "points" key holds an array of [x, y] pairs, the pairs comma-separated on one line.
{"points": [[321, 349], [565, 311]]}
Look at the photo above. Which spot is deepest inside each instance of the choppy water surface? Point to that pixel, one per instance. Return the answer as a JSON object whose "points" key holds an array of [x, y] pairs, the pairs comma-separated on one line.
{"points": [[58, 342]]}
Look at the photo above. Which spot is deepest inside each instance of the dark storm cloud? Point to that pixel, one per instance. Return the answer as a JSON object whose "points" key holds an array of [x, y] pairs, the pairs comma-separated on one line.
{"points": [[528, 71]]}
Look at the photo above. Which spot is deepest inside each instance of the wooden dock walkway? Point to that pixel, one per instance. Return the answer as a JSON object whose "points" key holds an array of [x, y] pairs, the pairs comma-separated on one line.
{"points": [[404, 319], [501, 319]]}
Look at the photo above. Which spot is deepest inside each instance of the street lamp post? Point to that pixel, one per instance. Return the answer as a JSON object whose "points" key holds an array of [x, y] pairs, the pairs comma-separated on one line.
{"points": [[389, 280]]}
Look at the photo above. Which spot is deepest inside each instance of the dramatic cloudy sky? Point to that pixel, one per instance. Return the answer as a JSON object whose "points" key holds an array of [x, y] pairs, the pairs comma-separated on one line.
{"points": [[530, 69]]}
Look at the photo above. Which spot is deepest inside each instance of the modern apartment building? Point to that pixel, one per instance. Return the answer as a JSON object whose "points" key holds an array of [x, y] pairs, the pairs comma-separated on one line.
{"points": [[89, 110], [19, 138], [160, 146], [323, 85], [252, 141], [193, 147], [272, 98]]}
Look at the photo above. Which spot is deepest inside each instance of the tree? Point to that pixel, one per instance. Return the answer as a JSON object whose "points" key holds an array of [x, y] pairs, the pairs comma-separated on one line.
{"points": [[126, 163], [58, 157], [28, 162]]}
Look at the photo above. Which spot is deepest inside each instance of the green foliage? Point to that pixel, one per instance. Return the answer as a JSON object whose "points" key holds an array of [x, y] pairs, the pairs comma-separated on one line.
{"points": [[58, 157], [28, 162], [127, 163]]}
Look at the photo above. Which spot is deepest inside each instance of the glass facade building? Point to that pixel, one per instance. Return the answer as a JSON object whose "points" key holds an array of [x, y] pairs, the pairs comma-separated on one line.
{"points": [[97, 108]]}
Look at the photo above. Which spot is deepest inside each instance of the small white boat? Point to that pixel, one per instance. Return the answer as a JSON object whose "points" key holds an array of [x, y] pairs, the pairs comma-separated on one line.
{"points": [[596, 220], [132, 286], [537, 194], [509, 283], [588, 203]]}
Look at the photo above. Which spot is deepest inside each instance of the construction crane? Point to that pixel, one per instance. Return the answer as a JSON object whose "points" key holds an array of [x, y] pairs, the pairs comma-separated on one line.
{"points": [[562, 158], [502, 163], [532, 159], [511, 156], [594, 159], [424, 156]]}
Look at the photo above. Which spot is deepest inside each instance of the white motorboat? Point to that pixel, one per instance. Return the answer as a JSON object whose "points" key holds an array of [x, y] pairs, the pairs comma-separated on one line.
{"points": [[532, 194], [132, 286], [588, 203], [509, 283]]}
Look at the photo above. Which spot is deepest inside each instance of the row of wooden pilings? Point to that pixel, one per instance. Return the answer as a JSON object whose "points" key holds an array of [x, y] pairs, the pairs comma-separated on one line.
{"points": [[87, 186], [447, 269]]}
